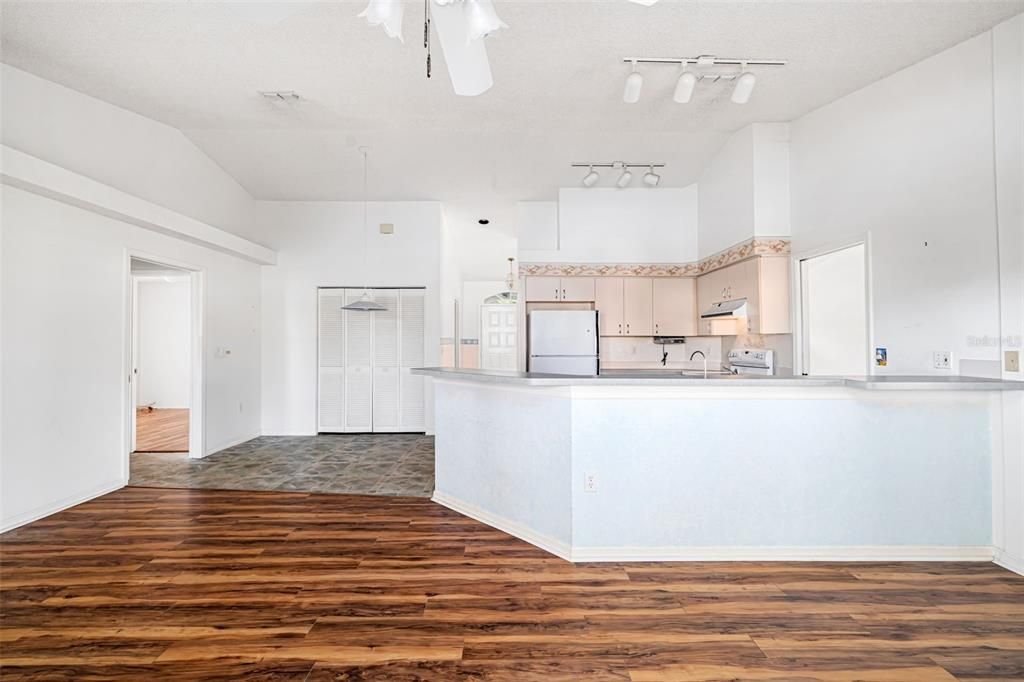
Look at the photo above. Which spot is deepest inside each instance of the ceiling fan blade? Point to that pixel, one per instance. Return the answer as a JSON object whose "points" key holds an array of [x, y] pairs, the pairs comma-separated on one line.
{"points": [[467, 62]]}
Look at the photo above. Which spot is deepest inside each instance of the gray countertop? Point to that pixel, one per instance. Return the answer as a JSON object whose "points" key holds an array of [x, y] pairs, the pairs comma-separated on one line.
{"points": [[696, 378]]}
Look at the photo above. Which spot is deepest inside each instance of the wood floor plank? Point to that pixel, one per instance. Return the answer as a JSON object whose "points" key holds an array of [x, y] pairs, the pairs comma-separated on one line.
{"points": [[161, 430], [225, 585]]}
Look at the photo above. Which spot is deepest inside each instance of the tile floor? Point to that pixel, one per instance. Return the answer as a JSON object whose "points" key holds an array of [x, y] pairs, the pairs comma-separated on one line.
{"points": [[380, 464]]}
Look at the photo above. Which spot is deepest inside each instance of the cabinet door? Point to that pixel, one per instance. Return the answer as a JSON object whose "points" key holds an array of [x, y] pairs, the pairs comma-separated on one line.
{"points": [[609, 303], [543, 289], [674, 302], [638, 306], [577, 289], [773, 295]]}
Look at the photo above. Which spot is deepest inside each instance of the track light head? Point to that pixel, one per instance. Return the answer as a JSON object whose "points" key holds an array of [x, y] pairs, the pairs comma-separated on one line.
{"points": [[634, 83], [624, 179], [651, 178], [684, 87], [590, 178], [744, 87]]}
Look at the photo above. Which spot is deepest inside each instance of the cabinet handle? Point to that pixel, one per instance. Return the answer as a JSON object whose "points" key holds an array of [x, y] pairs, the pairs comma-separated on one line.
{"points": [[627, 327], [655, 327], [556, 293], [563, 294], [620, 327]]}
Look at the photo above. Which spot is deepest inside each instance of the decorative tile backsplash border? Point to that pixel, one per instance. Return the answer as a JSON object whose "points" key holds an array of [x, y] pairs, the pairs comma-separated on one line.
{"points": [[758, 246]]}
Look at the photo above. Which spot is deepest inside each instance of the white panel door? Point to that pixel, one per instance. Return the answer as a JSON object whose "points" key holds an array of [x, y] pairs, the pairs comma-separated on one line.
{"points": [[498, 336], [331, 361], [385, 361], [412, 306], [358, 366]]}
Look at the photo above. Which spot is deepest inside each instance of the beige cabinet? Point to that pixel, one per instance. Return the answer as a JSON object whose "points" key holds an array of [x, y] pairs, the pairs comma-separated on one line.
{"points": [[575, 289], [762, 281], [579, 289], [638, 306], [674, 301], [609, 303]]}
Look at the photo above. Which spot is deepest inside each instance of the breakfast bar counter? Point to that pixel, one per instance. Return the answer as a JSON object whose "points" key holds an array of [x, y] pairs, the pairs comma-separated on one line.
{"points": [[641, 466]]}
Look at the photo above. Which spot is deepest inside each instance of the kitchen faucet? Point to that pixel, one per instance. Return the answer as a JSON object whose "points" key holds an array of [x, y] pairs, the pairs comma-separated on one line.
{"points": [[705, 361]]}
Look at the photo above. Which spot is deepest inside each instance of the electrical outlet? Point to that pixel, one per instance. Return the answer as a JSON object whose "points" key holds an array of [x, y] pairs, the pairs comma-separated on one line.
{"points": [[942, 359], [1012, 360], [590, 483]]}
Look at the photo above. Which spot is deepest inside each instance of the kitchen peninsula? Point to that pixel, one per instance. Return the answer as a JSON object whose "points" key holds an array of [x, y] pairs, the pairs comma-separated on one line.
{"points": [[670, 467]]}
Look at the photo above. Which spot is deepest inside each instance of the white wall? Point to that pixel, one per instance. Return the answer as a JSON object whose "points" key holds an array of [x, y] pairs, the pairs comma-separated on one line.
{"points": [[909, 161], [138, 155], [1008, 53], [163, 314], [64, 307], [321, 244], [601, 225], [744, 190]]}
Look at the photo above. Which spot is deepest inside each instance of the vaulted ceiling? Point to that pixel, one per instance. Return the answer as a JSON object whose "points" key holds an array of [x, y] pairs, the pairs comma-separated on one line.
{"points": [[557, 96]]}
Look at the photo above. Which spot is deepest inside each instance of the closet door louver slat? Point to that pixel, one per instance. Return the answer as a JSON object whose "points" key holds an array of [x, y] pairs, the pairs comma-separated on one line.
{"points": [[412, 416], [331, 361], [359, 366], [385, 362]]}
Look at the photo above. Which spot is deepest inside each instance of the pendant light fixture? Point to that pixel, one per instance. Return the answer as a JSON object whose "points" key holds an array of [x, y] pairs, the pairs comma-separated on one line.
{"points": [[364, 304]]}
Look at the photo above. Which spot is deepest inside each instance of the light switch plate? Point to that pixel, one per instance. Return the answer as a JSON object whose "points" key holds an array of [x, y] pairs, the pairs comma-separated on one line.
{"points": [[1012, 360], [942, 359]]}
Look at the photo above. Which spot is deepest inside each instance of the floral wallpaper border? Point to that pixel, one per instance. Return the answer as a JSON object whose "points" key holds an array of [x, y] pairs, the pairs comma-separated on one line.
{"points": [[770, 246]]}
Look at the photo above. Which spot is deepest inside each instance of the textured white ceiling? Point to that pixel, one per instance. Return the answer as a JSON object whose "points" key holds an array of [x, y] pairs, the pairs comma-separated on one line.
{"points": [[557, 95]]}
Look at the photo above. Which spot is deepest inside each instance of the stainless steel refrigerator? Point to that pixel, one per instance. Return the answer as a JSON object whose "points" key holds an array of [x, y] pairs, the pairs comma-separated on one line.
{"points": [[563, 342]]}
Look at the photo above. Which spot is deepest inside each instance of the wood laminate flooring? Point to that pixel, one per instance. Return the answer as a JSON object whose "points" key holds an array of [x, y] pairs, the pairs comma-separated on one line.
{"points": [[161, 430], [371, 464], [151, 584]]}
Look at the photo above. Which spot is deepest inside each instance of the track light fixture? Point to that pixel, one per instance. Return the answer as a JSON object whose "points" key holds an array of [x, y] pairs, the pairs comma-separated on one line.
{"points": [[634, 83], [651, 179], [684, 87], [744, 86], [706, 69]]}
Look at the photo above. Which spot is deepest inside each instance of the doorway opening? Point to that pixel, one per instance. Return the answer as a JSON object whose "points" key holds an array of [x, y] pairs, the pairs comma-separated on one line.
{"points": [[164, 359], [834, 334]]}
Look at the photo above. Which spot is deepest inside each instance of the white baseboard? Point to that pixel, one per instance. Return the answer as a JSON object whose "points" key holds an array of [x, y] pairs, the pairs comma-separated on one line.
{"points": [[1010, 562], [230, 444], [58, 506], [809, 553], [545, 542]]}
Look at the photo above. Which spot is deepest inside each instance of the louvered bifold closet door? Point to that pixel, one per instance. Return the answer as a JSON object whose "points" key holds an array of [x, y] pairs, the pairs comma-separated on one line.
{"points": [[331, 361], [411, 316], [385, 361], [358, 366]]}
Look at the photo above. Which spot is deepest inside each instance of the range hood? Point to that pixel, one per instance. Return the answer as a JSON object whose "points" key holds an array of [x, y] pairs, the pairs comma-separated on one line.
{"points": [[725, 310]]}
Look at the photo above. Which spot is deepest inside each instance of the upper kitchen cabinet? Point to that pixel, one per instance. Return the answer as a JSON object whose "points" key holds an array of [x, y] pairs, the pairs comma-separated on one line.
{"points": [[674, 306], [625, 306], [763, 282], [638, 306], [610, 306], [570, 289]]}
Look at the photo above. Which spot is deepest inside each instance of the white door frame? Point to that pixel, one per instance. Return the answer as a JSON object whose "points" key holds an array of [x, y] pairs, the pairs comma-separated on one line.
{"points": [[797, 287], [197, 355]]}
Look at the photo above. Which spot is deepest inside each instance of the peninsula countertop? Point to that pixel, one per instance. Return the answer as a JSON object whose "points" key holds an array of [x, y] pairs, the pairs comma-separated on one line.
{"points": [[695, 378]]}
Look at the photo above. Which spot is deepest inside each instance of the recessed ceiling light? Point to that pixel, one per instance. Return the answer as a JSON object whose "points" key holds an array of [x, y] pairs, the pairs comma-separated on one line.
{"points": [[484, 221]]}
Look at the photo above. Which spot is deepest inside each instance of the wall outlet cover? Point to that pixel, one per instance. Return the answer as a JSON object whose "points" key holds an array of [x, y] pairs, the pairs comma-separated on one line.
{"points": [[1012, 360], [590, 483]]}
